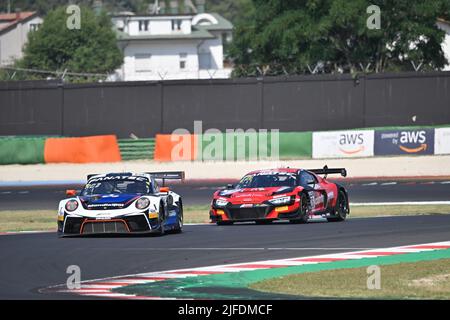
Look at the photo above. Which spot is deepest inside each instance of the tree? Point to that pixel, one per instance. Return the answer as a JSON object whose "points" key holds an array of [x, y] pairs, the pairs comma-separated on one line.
{"points": [[298, 36], [90, 49], [234, 10]]}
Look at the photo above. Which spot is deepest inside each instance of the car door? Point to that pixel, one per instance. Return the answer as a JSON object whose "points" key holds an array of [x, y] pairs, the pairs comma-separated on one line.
{"points": [[317, 195]]}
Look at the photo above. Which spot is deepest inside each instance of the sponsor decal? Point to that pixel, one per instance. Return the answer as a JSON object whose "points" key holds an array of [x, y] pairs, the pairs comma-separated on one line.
{"points": [[342, 144], [102, 217], [397, 142], [105, 205], [118, 177]]}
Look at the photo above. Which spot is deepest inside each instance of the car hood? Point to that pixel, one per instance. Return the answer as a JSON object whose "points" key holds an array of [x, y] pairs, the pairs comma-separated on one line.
{"points": [[253, 194], [108, 201]]}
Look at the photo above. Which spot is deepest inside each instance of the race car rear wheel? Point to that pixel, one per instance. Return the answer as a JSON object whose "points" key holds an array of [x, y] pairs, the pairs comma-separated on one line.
{"points": [[341, 210], [303, 211]]}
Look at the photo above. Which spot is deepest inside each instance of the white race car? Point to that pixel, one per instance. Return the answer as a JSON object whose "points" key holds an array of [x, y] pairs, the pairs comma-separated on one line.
{"points": [[122, 203]]}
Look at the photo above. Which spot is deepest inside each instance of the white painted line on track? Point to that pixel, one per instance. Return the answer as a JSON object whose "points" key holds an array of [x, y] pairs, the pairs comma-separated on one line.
{"points": [[399, 203], [388, 183]]}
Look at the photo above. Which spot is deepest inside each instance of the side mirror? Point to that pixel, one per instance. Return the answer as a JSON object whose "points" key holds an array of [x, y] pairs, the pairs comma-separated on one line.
{"points": [[230, 186], [71, 193], [164, 189]]}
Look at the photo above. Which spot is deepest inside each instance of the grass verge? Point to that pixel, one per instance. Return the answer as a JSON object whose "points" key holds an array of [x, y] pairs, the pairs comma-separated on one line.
{"points": [[26, 220], [418, 280]]}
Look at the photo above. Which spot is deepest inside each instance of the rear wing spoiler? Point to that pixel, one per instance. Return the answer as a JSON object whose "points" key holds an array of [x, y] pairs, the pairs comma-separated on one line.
{"points": [[326, 171], [168, 175]]}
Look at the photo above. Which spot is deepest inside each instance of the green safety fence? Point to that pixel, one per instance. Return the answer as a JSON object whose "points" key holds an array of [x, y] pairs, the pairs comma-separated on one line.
{"points": [[21, 150], [254, 146], [295, 145], [134, 149]]}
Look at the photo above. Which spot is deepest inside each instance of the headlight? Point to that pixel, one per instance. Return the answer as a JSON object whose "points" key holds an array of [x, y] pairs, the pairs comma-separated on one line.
{"points": [[142, 203], [71, 205], [221, 203], [281, 200]]}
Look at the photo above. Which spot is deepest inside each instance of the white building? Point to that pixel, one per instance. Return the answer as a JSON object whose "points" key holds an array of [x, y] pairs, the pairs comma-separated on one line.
{"points": [[14, 28], [172, 46]]}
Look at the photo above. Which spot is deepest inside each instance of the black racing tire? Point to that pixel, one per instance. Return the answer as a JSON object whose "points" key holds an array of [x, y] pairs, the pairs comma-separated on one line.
{"points": [[224, 223], [179, 227], [161, 231], [342, 209], [303, 210]]}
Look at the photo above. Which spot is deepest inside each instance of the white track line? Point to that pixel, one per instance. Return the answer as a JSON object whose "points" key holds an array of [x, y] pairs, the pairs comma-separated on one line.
{"points": [[95, 288], [400, 203]]}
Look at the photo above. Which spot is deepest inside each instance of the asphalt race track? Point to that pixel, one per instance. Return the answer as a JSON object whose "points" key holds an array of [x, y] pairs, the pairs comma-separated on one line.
{"points": [[32, 261], [47, 197]]}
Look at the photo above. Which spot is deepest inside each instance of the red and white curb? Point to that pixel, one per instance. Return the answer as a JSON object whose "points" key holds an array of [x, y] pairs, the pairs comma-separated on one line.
{"points": [[103, 287]]}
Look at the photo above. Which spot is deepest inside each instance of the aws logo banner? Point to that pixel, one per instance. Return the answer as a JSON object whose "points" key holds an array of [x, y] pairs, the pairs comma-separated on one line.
{"points": [[343, 144], [393, 142]]}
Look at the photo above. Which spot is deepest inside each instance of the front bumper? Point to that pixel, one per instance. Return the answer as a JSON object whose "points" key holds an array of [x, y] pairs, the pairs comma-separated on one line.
{"points": [[130, 224], [253, 212]]}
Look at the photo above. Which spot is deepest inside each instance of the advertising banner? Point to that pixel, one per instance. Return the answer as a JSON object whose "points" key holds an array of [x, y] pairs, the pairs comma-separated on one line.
{"points": [[442, 141], [404, 142], [343, 144]]}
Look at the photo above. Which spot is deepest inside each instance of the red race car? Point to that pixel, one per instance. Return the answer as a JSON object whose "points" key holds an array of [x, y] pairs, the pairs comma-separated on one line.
{"points": [[281, 194]]}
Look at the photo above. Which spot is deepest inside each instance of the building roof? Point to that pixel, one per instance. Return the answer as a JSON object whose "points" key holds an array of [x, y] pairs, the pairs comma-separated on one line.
{"points": [[198, 31], [9, 20], [223, 24]]}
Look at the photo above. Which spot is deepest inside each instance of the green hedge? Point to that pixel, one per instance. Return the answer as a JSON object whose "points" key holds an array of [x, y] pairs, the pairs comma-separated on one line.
{"points": [[22, 150]]}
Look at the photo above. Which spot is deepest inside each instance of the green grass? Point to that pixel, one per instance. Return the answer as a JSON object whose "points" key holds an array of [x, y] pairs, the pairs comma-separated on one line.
{"points": [[26, 220], [418, 280]]}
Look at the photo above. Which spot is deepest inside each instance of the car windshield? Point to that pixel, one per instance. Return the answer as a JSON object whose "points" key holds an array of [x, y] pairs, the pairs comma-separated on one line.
{"points": [[116, 187], [267, 180]]}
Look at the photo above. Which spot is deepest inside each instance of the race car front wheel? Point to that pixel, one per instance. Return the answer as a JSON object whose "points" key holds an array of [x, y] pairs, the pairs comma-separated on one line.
{"points": [[179, 227], [303, 210], [340, 213], [160, 231]]}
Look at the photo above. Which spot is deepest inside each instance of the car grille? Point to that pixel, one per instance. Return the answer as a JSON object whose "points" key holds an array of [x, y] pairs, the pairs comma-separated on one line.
{"points": [[73, 225], [247, 213], [137, 223], [104, 227]]}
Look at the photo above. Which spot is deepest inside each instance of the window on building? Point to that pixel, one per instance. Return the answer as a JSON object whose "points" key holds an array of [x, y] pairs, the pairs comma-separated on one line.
{"points": [[34, 26], [204, 60], [142, 62], [183, 60], [144, 25], [176, 25]]}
